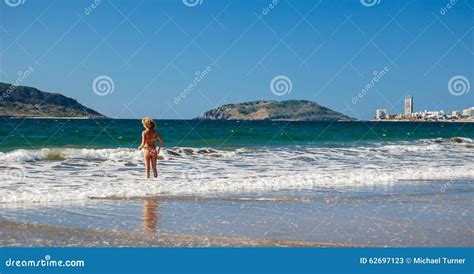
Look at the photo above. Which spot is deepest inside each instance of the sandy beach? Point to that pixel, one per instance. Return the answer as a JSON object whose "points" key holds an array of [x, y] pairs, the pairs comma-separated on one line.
{"points": [[395, 185], [366, 217]]}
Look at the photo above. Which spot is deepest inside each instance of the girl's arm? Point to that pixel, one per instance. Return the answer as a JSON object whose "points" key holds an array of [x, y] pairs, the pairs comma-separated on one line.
{"points": [[143, 141], [158, 137]]}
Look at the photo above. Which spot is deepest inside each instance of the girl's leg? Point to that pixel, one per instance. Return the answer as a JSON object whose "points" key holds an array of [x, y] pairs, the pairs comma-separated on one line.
{"points": [[147, 164], [153, 159]]}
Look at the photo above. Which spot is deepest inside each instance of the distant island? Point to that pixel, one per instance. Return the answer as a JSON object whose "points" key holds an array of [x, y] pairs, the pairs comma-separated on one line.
{"points": [[21, 101], [291, 110]]}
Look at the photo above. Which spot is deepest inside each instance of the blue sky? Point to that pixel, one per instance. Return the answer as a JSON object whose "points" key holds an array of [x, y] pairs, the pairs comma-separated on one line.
{"points": [[153, 50]]}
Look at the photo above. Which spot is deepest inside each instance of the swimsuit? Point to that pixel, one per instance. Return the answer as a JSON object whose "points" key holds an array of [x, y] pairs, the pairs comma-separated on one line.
{"points": [[151, 145], [151, 150]]}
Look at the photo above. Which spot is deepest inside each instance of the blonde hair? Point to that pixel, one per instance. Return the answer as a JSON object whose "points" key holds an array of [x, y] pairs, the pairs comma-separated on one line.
{"points": [[148, 123]]}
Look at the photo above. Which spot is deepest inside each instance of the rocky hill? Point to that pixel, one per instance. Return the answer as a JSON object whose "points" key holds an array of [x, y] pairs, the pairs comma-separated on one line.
{"points": [[21, 101], [291, 110]]}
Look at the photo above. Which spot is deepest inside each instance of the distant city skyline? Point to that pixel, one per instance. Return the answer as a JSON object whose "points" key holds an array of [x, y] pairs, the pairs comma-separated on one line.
{"points": [[176, 60], [410, 112], [409, 107]]}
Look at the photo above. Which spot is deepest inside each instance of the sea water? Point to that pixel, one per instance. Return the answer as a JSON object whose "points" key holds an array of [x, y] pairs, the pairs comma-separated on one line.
{"points": [[48, 160]]}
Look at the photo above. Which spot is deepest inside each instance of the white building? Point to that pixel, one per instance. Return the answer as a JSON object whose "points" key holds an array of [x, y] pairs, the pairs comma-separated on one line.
{"points": [[381, 113], [468, 112], [430, 114], [408, 105]]}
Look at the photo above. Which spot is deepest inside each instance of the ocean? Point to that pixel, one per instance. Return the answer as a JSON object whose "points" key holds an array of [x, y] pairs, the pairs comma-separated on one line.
{"points": [[48, 160], [237, 183]]}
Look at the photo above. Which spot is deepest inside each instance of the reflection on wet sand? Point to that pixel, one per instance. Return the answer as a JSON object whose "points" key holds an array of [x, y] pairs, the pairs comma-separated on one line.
{"points": [[31, 235], [150, 215]]}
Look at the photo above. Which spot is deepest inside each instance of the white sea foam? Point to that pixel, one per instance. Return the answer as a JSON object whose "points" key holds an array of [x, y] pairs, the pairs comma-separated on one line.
{"points": [[77, 174], [52, 154]]}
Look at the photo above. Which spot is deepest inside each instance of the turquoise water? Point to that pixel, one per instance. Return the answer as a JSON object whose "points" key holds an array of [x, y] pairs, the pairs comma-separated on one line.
{"points": [[414, 178], [62, 160], [41, 133]]}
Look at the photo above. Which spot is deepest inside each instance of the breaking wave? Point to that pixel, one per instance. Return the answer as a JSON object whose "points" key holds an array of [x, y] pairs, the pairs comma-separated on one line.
{"points": [[61, 174], [58, 154]]}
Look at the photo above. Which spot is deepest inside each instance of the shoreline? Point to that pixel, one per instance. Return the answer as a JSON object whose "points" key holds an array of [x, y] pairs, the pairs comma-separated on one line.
{"points": [[241, 120], [342, 218], [426, 121], [55, 118], [56, 236]]}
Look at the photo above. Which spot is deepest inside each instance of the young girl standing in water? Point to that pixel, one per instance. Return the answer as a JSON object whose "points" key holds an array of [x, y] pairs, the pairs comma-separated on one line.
{"points": [[149, 137]]}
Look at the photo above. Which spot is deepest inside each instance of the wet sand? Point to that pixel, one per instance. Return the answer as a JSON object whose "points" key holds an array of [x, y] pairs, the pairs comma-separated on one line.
{"points": [[25, 234], [422, 215]]}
